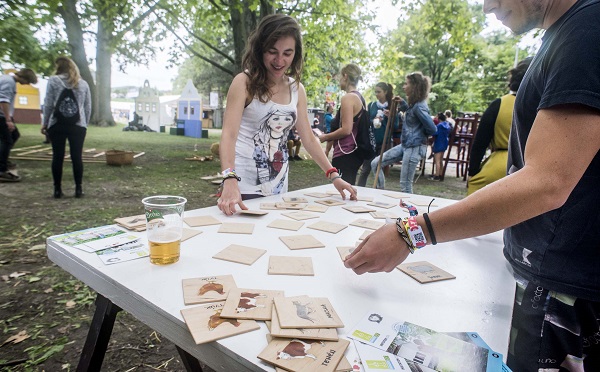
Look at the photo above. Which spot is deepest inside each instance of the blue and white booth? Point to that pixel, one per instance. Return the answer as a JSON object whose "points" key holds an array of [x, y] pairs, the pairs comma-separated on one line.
{"points": [[189, 112]]}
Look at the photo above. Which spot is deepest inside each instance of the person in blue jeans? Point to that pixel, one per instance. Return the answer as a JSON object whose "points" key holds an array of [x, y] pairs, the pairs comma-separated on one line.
{"points": [[415, 130]]}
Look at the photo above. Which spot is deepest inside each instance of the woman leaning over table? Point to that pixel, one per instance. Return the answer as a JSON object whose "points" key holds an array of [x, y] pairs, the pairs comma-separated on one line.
{"points": [[67, 77], [345, 157], [263, 103], [417, 126]]}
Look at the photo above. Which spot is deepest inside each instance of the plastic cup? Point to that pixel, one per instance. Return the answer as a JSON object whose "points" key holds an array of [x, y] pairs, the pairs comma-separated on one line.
{"points": [[164, 224]]}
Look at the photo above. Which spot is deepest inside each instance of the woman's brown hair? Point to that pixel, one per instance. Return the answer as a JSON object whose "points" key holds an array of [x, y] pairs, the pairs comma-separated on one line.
{"points": [[421, 85], [271, 28], [66, 66]]}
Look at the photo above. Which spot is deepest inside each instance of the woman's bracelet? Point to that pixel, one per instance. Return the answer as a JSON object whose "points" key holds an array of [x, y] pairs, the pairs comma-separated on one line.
{"points": [[331, 170], [411, 233], [335, 178], [429, 228]]}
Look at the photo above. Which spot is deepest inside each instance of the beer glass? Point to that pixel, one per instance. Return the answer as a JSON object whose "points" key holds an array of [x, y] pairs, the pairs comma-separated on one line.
{"points": [[164, 224]]}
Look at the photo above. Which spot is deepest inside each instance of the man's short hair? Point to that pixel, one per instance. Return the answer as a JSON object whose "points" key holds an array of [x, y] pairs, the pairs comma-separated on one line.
{"points": [[28, 75]]}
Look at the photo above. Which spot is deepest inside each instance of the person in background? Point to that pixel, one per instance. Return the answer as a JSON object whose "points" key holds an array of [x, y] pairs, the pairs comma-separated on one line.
{"points": [[67, 77], [493, 132], [9, 134], [417, 126], [449, 119], [328, 118], [440, 144], [379, 114], [294, 141], [548, 202], [345, 154], [264, 102]]}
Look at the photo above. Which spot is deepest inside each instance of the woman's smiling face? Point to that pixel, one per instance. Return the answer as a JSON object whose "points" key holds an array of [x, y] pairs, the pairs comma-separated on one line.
{"points": [[279, 57]]}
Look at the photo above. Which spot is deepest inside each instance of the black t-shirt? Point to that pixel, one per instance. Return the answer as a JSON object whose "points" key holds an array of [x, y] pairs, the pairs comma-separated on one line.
{"points": [[560, 249]]}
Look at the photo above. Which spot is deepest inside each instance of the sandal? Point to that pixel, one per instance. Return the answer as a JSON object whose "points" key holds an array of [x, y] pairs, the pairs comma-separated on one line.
{"points": [[9, 177]]}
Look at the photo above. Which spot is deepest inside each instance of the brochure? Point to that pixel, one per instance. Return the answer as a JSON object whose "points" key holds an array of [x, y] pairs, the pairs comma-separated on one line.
{"points": [[494, 358], [373, 360], [125, 252], [418, 344], [97, 238]]}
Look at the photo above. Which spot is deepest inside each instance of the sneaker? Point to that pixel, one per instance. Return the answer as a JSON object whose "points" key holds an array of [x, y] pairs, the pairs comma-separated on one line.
{"points": [[10, 165], [9, 177], [296, 157], [434, 178], [291, 158]]}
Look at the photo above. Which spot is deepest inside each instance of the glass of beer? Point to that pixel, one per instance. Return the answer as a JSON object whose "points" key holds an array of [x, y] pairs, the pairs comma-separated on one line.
{"points": [[164, 224]]}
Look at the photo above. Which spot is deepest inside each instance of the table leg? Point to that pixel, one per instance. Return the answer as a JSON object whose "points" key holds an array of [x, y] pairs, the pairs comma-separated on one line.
{"points": [[191, 364], [98, 336]]}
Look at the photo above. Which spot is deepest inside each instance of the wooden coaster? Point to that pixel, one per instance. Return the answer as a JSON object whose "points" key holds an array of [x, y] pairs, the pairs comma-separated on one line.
{"points": [[365, 234], [300, 215], [189, 233], [201, 221], [345, 251], [285, 205], [367, 224], [286, 225], [383, 215], [288, 265], [332, 192], [398, 196], [236, 228], [424, 272], [254, 304], [326, 334], [301, 242], [206, 325], [364, 198], [132, 222], [330, 202], [423, 202], [330, 227], [294, 199], [316, 208], [240, 254], [207, 289], [318, 195], [358, 209], [382, 205], [312, 356], [269, 206], [249, 212], [306, 312]]}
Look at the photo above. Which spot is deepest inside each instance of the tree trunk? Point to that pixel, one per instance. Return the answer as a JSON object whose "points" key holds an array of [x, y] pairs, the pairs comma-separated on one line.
{"points": [[103, 71], [240, 35], [70, 16]]}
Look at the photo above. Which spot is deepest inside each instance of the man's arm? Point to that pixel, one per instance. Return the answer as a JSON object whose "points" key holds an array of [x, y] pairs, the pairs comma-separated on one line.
{"points": [[548, 178]]}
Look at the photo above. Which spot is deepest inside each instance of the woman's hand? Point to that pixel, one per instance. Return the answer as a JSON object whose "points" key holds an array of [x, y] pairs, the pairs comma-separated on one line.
{"points": [[322, 138], [44, 130], [230, 197], [342, 185]]}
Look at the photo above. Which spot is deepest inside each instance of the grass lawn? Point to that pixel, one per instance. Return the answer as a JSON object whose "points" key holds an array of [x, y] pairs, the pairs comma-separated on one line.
{"points": [[53, 308]]}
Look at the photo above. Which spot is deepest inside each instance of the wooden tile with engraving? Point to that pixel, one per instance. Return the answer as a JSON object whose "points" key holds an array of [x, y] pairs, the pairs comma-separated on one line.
{"points": [[300, 215], [201, 221], [301, 242], [382, 215], [236, 228], [330, 227], [269, 206], [206, 325], [345, 251], [189, 233], [326, 334], [398, 195], [330, 202], [423, 202], [367, 224], [286, 225], [294, 199], [318, 195], [424, 272], [285, 205], [243, 303], [207, 289], [364, 198], [365, 234], [358, 209], [303, 355], [306, 312], [288, 265], [249, 212], [316, 208], [385, 205], [240, 254], [131, 222]]}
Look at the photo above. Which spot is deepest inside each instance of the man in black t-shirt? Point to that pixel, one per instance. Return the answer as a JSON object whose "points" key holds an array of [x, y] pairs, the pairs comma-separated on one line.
{"points": [[549, 203]]}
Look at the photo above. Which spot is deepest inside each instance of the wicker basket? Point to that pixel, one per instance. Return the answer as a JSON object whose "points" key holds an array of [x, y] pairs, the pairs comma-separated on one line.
{"points": [[119, 157]]}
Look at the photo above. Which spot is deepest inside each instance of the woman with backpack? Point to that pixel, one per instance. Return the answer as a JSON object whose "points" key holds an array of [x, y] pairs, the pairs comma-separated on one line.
{"points": [[264, 103], [379, 112], [344, 127], [67, 110], [417, 126]]}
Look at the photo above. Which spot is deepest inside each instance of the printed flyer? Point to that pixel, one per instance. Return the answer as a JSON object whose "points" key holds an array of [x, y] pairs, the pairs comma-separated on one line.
{"points": [[97, 238], [125, 252]]}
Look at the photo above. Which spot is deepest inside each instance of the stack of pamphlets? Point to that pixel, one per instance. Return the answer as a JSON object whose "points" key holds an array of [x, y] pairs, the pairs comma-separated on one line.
{"points": [[387, 343]]}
